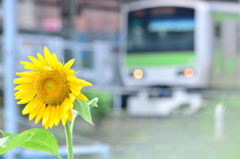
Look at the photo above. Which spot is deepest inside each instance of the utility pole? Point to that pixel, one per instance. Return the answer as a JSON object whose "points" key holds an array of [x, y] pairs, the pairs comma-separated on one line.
{"points": [[9, 58], [68, 15], [69, 32]]}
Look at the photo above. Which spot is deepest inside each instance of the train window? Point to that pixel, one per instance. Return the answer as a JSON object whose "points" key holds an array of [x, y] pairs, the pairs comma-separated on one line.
{"points": [[68, 55], [1, 53], [161, 29], [87, 59], [238, 39], [217, 30]]}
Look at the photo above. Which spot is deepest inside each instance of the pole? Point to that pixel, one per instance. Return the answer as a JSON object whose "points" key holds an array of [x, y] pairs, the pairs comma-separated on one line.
{"points": [[219, 121], [72, 14], [9, 54]]}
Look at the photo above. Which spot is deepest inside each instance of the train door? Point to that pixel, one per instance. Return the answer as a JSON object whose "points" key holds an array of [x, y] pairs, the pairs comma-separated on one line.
{"points": [[226, 67], [93, 60]]}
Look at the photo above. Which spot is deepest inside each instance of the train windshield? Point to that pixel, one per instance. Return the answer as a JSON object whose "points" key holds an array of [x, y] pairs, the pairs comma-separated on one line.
{"points": [[161, 29]]}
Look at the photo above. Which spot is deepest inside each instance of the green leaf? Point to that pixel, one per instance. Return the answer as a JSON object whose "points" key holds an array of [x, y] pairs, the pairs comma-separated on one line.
{"points": [[37, 139], [3, 141], [93, 103], [74, 113], [5, 134], [83, 109]]}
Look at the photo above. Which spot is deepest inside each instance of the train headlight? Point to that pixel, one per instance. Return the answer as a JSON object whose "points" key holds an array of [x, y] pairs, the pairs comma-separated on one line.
{"points": [[188, 72], [138, 74]]}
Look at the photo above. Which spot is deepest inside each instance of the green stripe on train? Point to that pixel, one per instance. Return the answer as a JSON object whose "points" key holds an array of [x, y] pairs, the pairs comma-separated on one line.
{"points": [[224, 65], [220, 16], [160, 59]]}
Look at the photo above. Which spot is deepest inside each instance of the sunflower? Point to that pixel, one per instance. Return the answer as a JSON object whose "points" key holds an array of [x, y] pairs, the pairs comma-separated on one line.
{"points": [[49, 90]]}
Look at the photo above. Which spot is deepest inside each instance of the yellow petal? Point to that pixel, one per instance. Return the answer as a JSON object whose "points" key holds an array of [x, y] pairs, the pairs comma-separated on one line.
{"points": [[69, 72], [59, 66], [27, 74], [28, 86], [75, 86], [46, 125], [72, 97], [71, 78], [54, 61], [46, 115], [29, 94], [35, 68], [82, 97], [63, 115], [70, 114], [35, 61], [31, 66], [19, 92], [67, 104], [83, 82], [23, 80], [24, 92], [74, 91], [25, 100], [70, 103], [68, 65], [41, 112], [52, 117], [57, 115], [63, 121], [35, 111], [48, 56], [41, 59], [30, 106]]}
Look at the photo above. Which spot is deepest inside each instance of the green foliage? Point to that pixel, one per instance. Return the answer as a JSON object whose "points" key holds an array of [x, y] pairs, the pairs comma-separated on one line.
{"points": [[83, 108], [40, 139], [37, 139], [93, 103], [104, 103]]}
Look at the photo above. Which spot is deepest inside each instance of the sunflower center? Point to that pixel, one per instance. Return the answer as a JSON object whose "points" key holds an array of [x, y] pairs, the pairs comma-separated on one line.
{"points": [[52, 87], [50, 84]]}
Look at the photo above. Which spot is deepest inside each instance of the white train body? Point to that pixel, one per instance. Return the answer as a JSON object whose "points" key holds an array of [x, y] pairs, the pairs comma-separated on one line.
{"points": [[175, 66]]}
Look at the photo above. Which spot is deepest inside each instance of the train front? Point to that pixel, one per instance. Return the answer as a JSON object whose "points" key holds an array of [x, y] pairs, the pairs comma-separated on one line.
{"points": [[166, 45]]}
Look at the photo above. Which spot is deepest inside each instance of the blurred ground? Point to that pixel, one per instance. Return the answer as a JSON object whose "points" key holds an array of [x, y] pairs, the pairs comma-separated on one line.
{"points": [[174, 137]]}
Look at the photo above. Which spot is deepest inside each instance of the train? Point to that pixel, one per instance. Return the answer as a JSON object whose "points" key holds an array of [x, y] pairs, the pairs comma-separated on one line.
{"points": [[169, 51], [170, 48]]}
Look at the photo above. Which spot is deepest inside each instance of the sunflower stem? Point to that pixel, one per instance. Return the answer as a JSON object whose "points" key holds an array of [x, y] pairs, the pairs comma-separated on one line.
{"points": [[72, 124], [68, 133]]}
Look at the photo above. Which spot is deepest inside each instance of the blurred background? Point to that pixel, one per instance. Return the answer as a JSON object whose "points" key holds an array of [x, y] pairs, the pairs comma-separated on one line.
{"points": [[167, 74]]}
